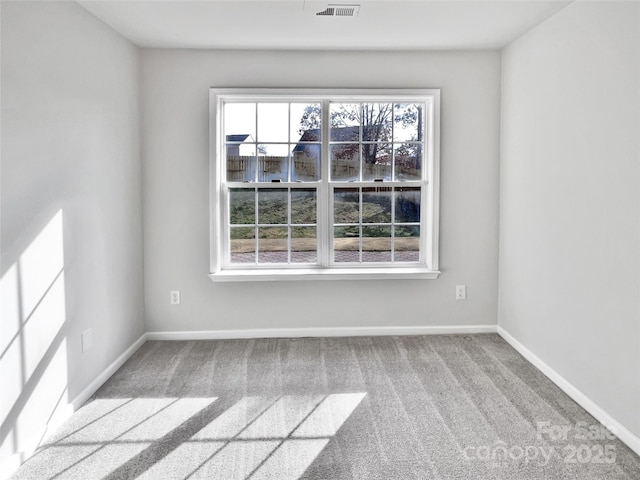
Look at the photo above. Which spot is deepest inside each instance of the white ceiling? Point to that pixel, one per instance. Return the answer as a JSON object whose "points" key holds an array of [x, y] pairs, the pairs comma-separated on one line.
{"points": [[286, 24]]}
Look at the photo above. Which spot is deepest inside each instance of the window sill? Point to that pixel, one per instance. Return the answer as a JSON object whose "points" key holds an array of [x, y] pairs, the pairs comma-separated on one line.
{"points": [[275, 274]]}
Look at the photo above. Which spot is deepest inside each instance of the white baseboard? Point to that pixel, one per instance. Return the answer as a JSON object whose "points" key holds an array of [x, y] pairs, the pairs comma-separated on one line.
{"points": [[319, 332], [627, 437], [107, 373]]}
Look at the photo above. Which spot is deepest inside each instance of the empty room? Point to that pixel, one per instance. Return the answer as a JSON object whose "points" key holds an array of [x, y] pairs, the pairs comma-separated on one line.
{"points": [[307, 240]]}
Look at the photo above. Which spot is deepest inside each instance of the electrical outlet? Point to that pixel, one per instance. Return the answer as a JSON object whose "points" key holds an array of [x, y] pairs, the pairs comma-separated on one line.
{"points": [[175, 297], [461, 292], [87, 340]]}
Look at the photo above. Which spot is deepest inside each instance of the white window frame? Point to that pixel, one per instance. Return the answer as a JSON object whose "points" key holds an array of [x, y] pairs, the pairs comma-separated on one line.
{"points": [[428, 266]]}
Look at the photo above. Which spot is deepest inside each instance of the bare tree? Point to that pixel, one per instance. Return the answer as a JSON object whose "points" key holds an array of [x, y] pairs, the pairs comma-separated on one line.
{"points": [[374, 121]]}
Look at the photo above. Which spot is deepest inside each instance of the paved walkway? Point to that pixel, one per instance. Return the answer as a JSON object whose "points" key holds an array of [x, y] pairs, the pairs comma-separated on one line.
{"points": [[310, 257]]}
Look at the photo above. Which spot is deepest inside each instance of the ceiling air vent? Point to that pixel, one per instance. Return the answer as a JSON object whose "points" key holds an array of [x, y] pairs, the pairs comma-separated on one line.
{"points": [[340, 11], [332, 9]]}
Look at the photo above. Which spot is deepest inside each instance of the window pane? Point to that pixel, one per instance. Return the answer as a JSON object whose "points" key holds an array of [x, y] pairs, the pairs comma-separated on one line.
{"points": [[344, 122], [407, 243], [407, 204], [346, 205], [376, 205], [408, 160], [303, 206], [242, 244], [306, 122], [240, 122], [377, 119], [273, 122], [273, 162], [304, 245], [376, 244], [345, 161], [272, 245], [272, 206], [241, 162], [346, 243], [376, 161], [407, 122], [306, 163], [242, 206]]}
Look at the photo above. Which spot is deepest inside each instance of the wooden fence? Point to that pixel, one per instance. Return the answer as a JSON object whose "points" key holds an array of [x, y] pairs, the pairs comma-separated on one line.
{"points": [[242, 169]]}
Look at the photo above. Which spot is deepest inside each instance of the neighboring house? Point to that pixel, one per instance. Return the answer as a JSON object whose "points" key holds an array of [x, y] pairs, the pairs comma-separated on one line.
{"points": [[239, 144], [241, 149], [342, 134]]}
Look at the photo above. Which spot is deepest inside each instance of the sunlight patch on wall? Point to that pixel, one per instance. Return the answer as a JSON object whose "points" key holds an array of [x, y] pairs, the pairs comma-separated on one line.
{"points": [[40, 264], [9, 307], [33, 350], [43, 325], [48, 398], [11, 356]]}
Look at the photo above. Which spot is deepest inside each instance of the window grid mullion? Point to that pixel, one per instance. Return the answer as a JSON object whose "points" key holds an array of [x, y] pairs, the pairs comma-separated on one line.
{"points": [[393, 224], [324, 202], [360, 139], [393, 189], [256, 232], [290, 159], [360, 229], [393, 150], [289, 231], [256, 159], [226, 230]]}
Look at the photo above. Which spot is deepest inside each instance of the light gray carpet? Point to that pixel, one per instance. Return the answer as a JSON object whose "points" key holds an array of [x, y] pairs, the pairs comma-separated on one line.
{"points": [[421, 407]]}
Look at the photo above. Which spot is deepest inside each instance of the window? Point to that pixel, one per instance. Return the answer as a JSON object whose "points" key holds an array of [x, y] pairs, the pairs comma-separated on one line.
{"points": [[324, 184]]}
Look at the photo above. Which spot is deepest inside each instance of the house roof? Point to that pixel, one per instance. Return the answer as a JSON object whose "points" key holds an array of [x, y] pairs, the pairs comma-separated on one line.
{"points": [[339, 134], [237, 137]]}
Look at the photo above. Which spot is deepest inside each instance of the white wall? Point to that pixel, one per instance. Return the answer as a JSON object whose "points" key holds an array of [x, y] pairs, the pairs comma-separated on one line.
{"points": [[71, 209], [569, 216], [175, 87]]}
